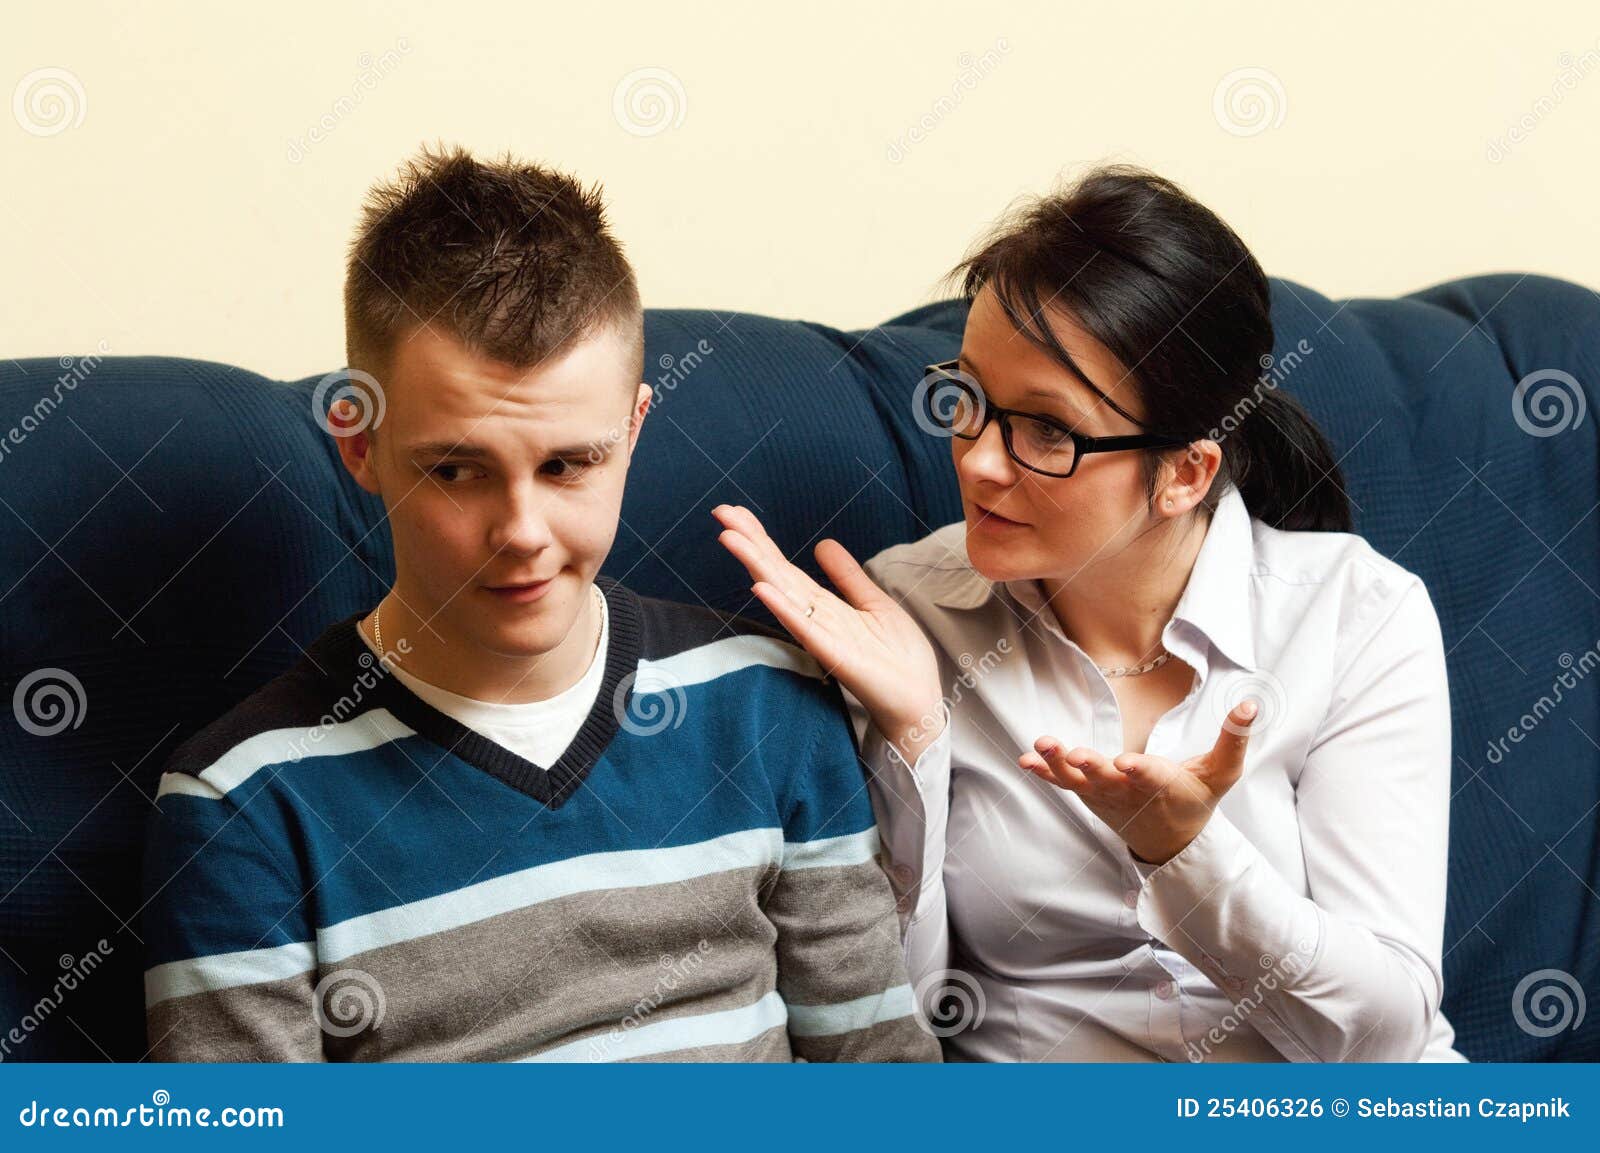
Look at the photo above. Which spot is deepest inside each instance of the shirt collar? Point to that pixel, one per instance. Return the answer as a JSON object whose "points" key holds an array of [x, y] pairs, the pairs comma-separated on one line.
{"points": [[1215, 602]]}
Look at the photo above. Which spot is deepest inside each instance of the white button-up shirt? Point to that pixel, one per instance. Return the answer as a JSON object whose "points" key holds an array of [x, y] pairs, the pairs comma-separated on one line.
{"points": [[1304, 923]]}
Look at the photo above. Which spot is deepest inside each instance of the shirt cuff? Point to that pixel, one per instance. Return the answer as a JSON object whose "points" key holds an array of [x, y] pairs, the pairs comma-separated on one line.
{"points": [[1220, 904], [912, 803]]}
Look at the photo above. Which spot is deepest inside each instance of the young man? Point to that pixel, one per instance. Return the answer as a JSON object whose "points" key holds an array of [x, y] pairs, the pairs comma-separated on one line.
{"points": [[517, 811]]}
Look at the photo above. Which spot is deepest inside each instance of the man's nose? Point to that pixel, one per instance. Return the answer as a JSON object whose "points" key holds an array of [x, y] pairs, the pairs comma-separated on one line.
{"points": [[522, 523]]}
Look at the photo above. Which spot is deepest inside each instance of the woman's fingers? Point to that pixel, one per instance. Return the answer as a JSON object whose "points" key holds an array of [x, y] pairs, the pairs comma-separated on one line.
{"points": [[847, 575], [1144, 772], [1049, 760], [1225, 762], [807, 630], [1036, 765], [736, 516], [752, 547], [1093, 764]]}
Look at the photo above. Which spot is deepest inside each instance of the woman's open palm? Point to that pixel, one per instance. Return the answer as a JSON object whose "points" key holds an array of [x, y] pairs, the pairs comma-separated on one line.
{"points": [[1155, 805], [861, 635]]}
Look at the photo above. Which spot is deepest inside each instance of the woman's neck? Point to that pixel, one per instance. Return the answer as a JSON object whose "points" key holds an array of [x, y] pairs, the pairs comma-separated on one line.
{"points": [[1116, 608]]}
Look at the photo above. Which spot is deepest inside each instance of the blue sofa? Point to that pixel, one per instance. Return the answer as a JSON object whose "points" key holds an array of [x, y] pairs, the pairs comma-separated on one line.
{"points": [[173, 532]]}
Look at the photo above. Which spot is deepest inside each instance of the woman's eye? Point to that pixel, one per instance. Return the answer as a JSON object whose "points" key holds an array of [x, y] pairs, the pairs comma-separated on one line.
{"points": [[1044, 435]]}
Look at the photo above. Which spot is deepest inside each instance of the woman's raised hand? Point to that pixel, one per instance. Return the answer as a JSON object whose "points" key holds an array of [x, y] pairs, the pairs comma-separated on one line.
{"points": [[1157, 807], [860, 636]]}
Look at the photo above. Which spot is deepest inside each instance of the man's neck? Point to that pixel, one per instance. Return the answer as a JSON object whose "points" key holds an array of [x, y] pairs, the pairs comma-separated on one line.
{"points": [[458, 666]]}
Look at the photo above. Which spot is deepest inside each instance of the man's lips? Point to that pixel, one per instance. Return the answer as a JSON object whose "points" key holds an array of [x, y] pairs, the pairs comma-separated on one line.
{"points": [[525, 591]]}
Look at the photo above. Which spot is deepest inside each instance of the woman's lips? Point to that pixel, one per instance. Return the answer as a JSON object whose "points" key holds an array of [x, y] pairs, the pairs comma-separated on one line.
{"points": [[988, 519], [521, 593]]}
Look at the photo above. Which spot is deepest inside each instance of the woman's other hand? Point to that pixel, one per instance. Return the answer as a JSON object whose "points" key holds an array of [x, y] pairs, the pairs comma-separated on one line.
{"points": [[1154, 805]]}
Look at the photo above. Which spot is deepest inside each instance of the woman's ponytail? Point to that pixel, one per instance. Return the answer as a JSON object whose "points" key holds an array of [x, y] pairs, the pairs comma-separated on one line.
{"points": [[1285, 469]]}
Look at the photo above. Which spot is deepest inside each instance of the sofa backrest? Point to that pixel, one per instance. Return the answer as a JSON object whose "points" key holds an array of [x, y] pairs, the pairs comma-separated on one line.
{"points": [[175, 531]]}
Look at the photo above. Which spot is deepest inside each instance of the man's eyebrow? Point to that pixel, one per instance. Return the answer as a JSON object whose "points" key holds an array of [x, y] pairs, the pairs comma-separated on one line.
{"points": [[448, 448], [598, 447], [468, 451]]}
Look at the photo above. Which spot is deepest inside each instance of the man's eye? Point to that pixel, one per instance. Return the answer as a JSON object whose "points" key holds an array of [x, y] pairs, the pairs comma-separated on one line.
{"points": [[563, 468], [449, 473]]}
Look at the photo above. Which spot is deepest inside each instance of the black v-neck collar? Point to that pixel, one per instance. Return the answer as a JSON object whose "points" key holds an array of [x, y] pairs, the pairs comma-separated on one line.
{"points": [[345, 657]]}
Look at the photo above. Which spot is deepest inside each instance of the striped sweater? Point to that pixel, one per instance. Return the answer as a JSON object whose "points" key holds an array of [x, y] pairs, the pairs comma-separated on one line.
{"points": [[338, 871]]}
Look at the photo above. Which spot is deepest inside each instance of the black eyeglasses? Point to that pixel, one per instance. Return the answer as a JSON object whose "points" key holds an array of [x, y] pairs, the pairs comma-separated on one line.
{"points": [[1039, 443]]}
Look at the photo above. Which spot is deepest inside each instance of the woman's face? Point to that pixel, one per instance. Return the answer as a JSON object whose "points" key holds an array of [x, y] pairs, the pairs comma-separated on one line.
{"points": [[1022, 524]]}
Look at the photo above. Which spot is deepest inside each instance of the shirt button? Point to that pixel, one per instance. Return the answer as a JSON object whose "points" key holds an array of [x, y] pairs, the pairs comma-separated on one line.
{"points": [[1164, 990], [903, 903], [1131, 898], [904, 874]]}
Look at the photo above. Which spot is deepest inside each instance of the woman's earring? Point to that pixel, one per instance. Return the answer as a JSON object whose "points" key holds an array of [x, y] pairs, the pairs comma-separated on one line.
{"points": [[1169, 502]]}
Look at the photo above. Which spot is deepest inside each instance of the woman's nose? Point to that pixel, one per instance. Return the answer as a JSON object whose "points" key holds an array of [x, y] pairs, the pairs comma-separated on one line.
{"points": [[986, 459]]}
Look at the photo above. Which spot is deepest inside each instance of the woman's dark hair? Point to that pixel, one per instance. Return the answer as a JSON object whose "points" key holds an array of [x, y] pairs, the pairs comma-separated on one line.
{"points": [[1174, 294]]}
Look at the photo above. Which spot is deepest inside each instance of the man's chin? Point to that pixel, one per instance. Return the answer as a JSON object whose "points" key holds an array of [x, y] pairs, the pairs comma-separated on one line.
{"points": [[522, 632]]}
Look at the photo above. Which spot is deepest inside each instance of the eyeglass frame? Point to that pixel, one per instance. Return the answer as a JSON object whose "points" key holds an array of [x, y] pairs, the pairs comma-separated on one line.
{"points": [[1082, 445]]}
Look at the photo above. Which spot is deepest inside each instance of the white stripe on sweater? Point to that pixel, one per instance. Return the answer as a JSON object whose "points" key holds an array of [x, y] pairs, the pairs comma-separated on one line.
{"points": [[728, 1027], [227, 971], [719, 658], [364, 731], [848, 1016]]}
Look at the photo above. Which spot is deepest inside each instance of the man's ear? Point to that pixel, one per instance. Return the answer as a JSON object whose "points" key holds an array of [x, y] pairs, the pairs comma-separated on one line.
{"points": [[355, 442], [641, 408]]}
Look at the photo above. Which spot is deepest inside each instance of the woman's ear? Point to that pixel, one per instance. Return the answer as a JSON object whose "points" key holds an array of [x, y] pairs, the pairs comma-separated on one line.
{"points": [[1187, 476]]}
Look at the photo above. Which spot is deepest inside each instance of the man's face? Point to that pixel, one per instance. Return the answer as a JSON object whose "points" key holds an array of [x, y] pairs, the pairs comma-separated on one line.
{"points": [[503, 484]]}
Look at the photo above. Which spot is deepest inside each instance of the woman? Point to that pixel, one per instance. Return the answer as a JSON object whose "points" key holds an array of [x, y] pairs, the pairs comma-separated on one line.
{"points": [[1160, 751]]}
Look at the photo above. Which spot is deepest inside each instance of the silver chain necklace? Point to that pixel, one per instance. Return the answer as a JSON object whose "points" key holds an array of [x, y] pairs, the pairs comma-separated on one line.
{"points": [[1134, 670]]}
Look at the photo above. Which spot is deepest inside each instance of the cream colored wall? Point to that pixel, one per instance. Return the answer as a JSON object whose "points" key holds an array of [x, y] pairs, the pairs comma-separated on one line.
{"points": [[827, 160]]}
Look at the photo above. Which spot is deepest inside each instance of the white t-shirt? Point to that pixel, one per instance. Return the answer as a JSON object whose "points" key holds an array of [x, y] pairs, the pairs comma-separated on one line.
{"points": [[539, 731]]}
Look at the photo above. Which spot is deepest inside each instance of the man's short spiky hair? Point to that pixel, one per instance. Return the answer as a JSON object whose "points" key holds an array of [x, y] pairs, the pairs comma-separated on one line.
{"points": [[513, 260]]}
